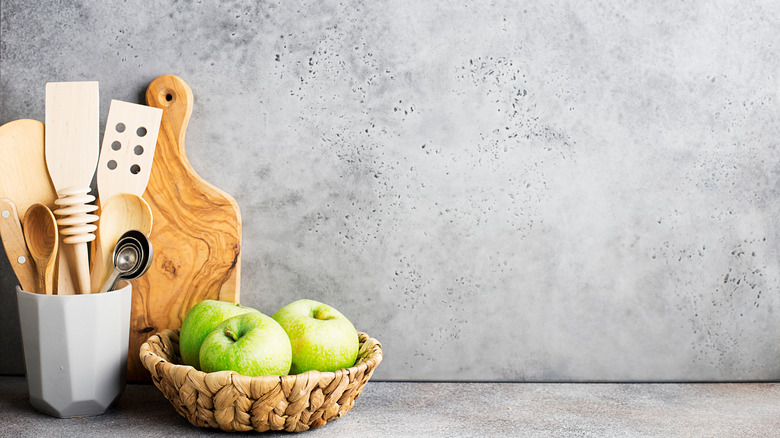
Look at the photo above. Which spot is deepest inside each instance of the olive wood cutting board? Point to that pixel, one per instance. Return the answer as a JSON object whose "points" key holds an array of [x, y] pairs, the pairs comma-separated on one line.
{"points": [[196, 235]]}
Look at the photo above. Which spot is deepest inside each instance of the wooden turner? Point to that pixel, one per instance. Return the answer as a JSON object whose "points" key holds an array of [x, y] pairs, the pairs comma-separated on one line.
{"points": [[24, 177], [128, 149], [72, 130]]}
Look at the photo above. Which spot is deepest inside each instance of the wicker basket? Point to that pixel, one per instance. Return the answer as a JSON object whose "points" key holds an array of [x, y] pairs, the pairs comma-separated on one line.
{"points": [[235, 403]]}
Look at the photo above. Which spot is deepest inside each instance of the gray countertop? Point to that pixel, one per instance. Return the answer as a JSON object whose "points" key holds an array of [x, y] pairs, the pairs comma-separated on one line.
{"points": [[400, 409]]}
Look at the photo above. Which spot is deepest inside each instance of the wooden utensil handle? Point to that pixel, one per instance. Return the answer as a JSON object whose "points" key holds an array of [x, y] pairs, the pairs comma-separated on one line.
{"points": [[77, 228], [79, 259], [16, 248]]}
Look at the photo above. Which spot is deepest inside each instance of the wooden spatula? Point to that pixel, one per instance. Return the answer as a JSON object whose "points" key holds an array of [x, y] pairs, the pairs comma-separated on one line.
{"points": [[128, 149], [24, 178], [72, 130], [15, 248]]}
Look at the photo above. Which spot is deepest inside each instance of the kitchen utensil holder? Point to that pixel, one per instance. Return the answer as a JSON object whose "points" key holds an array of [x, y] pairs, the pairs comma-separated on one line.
{"points": [[75, 350], [234, 403]]}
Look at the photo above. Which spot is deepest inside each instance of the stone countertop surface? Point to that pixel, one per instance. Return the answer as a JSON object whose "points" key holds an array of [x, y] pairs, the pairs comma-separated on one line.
{"points": [[425, 409]]}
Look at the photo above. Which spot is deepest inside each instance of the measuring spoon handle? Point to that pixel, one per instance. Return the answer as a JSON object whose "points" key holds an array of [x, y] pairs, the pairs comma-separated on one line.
{"points": [[111, 282]]}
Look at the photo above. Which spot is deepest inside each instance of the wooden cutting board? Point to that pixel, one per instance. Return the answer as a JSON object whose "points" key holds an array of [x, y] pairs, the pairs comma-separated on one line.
{"points": [[196, 236]]}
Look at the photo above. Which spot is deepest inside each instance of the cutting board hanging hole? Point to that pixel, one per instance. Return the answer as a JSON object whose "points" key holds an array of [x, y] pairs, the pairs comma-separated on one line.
{"points": [[166, 98]]}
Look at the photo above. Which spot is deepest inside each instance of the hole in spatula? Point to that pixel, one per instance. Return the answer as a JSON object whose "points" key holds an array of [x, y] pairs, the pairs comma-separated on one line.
{"points": [[120, 127], [116, 145], [111, 164], [140, 131], [138, 150], [169, 97], [135, 169]]}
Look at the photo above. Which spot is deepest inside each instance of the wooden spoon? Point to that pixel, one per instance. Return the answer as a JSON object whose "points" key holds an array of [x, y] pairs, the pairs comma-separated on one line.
{"points": [[121, 213], [40, 232], [15, 248]]}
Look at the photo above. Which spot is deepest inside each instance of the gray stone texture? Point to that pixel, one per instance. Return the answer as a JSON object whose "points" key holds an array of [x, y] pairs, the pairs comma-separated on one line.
{"points": [[503, 191]]}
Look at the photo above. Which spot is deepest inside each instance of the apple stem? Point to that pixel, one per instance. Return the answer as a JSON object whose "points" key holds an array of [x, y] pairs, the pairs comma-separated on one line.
{"points": [[232, 335], [319, 314]]}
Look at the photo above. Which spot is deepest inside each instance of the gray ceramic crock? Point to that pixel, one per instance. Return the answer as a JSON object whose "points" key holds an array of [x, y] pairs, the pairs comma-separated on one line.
{"points": [[75, 350]]}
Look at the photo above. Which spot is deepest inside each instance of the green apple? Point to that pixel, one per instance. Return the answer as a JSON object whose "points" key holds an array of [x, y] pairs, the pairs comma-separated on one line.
{"points": [[321, 337], [199, 322], [251, 344]]}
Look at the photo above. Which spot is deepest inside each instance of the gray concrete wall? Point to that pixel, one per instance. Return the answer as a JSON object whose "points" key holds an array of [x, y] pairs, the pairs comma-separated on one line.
{"points": [[507, 191]]}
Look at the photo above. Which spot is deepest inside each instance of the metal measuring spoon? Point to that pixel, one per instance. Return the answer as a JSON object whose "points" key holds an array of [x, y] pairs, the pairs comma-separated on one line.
{"points": [[132, 258], [140, 240]]}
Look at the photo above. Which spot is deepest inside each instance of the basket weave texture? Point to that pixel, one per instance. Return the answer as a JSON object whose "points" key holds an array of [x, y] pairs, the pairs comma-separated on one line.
{"points": [[235, 403]]}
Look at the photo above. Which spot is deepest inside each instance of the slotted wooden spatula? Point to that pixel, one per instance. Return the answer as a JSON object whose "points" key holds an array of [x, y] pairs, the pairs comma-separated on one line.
{"points": [[72, 137], [123, 170], [128, 149]]}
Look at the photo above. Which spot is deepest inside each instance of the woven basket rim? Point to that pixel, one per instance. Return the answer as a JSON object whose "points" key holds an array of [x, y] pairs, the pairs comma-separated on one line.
{"points": [[373, 359]]}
